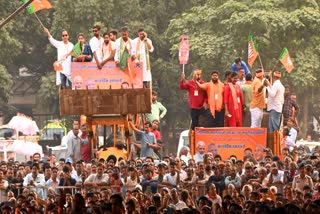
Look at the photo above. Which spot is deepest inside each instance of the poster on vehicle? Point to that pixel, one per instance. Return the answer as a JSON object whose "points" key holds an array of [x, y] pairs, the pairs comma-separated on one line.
{"points": [[86, 75], [228, 141]]}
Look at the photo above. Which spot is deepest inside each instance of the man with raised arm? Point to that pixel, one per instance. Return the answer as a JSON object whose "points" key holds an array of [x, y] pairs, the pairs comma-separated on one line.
{"points": [[64, 49]]}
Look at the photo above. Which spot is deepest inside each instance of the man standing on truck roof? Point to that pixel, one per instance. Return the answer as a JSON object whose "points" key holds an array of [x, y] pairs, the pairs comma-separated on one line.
{"points": [[64, 48], [215, 90], [197, 97]]}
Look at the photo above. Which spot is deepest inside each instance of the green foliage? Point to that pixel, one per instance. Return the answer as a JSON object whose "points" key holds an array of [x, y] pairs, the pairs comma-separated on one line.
{"points": [[48, 93]]}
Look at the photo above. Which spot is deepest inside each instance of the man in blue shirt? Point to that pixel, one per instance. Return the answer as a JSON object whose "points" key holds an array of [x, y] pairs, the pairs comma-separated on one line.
{"points": [[148, 140], [238, 63]]}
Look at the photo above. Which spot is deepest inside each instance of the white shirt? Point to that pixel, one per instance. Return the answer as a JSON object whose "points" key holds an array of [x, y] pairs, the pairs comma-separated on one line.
{"points": [[198, 157], [38, 182], [293, 134], [127, 44], [63, 50], [276, 96], [131, 184], [96, 46], [140, 53], [278, 177], [94, 178], [172, 179], [241, 82], [107, 49]]}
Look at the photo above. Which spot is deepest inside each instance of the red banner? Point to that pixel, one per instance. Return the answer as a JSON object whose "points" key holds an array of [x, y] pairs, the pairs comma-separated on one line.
{"points": [[86, 75], [231, 141], [184, 50]]}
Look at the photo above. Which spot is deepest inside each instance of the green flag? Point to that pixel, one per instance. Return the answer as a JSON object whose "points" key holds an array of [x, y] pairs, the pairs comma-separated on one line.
{"points": [[77, 50]]}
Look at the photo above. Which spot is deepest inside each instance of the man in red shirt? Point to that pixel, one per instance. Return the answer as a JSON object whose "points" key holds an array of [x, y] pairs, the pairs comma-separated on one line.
{"points": [[154, 130], [197, 97]]}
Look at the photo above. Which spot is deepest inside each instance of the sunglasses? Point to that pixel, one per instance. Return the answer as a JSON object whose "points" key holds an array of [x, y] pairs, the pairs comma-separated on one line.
{"points": [[94, 31], [64, 35]]}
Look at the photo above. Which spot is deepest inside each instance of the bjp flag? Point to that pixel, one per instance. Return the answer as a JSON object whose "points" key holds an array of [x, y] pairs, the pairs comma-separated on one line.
{"points": [[37, 5], [285, 59], [252, 50]]}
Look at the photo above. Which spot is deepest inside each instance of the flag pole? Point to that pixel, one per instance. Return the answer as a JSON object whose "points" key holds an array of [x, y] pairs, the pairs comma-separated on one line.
{"points": [[260, 62], [15, 13], [183, 68], [39, 20]]}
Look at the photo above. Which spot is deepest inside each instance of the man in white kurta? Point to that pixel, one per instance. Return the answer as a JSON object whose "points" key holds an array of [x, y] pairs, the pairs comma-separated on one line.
{"points": [[64, 49], [142, 47], [96, 43], [123, 48]]}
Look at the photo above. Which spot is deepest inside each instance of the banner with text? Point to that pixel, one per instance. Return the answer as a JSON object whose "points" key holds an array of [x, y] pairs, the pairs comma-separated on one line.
{"points": [[86, 75], [232, 141]]}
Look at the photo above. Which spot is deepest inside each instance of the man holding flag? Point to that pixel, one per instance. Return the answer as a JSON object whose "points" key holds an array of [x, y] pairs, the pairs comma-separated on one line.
{"points": [[64, 49]]}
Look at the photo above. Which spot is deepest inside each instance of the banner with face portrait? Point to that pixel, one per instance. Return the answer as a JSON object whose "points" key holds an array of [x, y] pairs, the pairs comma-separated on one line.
{"points": [[86, 75], [232, 141]]}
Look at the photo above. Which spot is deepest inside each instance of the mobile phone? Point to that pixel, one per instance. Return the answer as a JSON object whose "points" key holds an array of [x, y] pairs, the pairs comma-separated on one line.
{"points": [[264, 190]]}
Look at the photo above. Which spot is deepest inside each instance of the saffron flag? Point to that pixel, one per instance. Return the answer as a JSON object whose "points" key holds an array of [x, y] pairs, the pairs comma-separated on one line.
{"points": [[37, 5], [77, 50], [285, 59], [252, 51]]}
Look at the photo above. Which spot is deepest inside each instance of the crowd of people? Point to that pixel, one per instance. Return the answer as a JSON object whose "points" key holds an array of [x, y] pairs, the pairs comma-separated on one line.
{"points": [[167, 185], [204, 183]]}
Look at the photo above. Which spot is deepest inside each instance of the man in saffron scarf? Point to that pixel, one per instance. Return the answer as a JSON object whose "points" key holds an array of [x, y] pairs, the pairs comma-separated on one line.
{"points": [[258, 99], [233, 101], [142, 46], [214, 90]]}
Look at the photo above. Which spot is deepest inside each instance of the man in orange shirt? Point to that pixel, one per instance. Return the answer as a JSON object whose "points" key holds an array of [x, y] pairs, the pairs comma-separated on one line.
{"points": [[214, 90], [258, 99]]}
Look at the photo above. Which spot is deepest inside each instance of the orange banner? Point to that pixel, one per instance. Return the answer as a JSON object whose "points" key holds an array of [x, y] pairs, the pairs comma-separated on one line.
{"points": [[86, 75], [232, 141]]}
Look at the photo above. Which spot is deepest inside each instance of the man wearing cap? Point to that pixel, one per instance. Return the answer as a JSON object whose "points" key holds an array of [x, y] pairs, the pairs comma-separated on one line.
{"points": [[258, 100], [299, 181], [275, 101]]}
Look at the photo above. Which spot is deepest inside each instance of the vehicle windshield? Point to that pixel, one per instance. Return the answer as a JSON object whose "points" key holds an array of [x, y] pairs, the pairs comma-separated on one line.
{"points": [[52, 134], [6, 132]]}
